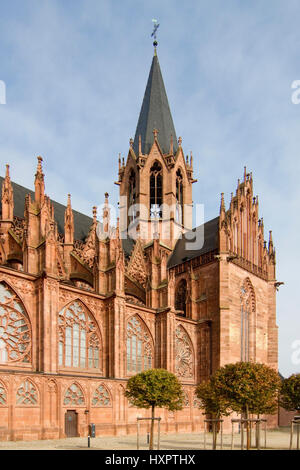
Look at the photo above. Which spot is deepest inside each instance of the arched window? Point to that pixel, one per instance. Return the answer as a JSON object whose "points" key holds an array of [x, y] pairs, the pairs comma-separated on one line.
{"points": [[74, 396], [79, 338], [156, 191], [101, 397], [27, 394], [181, 297], [183, 354], [246, 296], [179, 197], [139, 347], [132, 195], [15, 333]]}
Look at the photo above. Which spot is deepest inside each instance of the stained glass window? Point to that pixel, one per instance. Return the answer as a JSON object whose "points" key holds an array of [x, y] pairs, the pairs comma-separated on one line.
{"points": [[139, 347], [74, 396], [27, 394], [101, 397], [15, 334], [79, 339]]}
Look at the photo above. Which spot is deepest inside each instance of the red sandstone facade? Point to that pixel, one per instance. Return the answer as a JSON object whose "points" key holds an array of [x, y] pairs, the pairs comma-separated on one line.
{"points": [[79, 317]]}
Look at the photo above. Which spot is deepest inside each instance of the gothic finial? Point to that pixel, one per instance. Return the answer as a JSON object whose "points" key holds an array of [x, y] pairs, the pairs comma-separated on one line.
{"points": [[245, 173], [69, 200], [7, 171], [179, 141], [191, 160], [155, 133], [131, 142], [222, 207], [39, 165]]}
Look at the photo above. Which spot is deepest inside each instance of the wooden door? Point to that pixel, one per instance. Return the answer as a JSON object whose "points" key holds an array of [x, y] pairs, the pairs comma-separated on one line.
{"points": [[71, 424]]}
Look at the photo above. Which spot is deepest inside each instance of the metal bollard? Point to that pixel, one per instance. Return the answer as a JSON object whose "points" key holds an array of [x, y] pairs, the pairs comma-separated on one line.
{"points": [[89, 441], [148, 437]]}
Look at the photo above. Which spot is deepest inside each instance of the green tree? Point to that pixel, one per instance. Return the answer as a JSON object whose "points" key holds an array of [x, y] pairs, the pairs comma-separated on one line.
{"points": [[249, 388], [155, 388], [290, 393], [213, 404]]}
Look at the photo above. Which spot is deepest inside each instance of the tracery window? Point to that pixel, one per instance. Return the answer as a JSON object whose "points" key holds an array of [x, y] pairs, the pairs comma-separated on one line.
{"points": [[179, 197], [27, 394], [79, 338], [183, 354], [74, 396], [245, 322], [3, 396], [156, 191], [181, 297], [101, 397], [196, 403], [139, 347], [15, 333]]}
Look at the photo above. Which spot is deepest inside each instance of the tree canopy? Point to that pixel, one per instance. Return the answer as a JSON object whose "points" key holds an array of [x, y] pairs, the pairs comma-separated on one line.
{"points": [[155, 388], [211, 401], [290, 393], [248, 387]]}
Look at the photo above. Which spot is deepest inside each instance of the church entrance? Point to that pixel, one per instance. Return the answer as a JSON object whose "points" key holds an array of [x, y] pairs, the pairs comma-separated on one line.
{"points": [[71, 424]]}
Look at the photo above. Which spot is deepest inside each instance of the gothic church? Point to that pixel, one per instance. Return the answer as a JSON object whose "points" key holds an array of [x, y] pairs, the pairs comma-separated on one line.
{"points": [[84, 305]]}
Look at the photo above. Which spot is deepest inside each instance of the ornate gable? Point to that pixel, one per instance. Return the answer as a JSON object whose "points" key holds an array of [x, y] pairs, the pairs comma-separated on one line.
{"points": [[136, 268]]}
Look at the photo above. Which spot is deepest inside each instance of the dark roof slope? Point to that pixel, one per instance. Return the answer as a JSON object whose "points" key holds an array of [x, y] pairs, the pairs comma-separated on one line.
{"points": [[198, 247], [155, 114], [82, 222]]}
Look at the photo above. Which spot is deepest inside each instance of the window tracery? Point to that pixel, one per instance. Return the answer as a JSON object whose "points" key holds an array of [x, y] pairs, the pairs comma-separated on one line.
{"points": [[246, 307], [179, 197], [79, 339], [15, 333], [101, 397], [27, 394], [183, 354], [74, 396], [139, 347]]}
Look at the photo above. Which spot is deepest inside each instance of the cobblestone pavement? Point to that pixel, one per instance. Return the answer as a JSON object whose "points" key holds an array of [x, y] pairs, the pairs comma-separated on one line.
{"points": [[277, 439]]}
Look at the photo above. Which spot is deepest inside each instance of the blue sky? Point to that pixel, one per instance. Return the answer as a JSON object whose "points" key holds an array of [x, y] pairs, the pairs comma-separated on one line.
{"points": [[76, 71]]}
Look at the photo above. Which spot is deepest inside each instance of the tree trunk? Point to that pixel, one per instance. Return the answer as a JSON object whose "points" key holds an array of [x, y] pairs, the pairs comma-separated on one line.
{"points": [[152, 428], [258, 433], [247, 427], [214, 430]]}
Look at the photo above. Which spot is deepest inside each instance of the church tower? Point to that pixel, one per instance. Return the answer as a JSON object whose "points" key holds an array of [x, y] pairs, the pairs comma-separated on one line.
{"points": [[156, 180]]}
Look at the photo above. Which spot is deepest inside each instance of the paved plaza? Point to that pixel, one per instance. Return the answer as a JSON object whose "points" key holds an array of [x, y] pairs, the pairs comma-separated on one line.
{"points": [[276, 439]]}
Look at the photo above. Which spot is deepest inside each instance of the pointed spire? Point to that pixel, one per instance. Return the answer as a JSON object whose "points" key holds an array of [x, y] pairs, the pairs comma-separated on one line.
{"points": [[7, 197], [155, 113], [39, 182], [69, 223]]}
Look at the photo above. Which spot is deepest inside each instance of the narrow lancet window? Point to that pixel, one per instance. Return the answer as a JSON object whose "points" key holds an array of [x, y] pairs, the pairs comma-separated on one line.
{"points": [[156, 191]]}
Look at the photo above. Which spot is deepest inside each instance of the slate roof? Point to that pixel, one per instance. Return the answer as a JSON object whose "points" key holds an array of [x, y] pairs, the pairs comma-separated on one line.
{"points": [[155, 114], [82, 222], [182, 254]]}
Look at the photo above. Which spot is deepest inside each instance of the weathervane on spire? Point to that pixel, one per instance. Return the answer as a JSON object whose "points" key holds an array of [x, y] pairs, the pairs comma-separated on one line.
{"points": [[155, 28]]}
